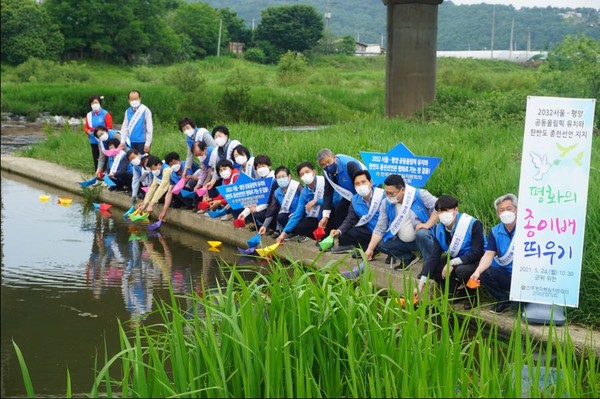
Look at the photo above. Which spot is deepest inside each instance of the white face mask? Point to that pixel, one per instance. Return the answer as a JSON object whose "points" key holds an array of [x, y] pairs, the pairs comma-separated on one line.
{"points": [[103, 137], [364, 190], [156, 172], [135, 103], [221, 141], [95, 107], [507, 217], [176, 167], [136, 161], [241, 159], [225, 174], [283, 182], [446, 218], [263, 171], [392, 200], [201, 158], [189, 133], [308, 178]]}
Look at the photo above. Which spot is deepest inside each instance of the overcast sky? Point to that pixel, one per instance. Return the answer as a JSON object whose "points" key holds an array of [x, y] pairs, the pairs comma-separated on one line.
{"points": [[536, 3]]}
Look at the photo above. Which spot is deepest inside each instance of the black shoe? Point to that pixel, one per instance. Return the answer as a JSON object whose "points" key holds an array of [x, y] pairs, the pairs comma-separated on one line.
{"points": [[302, 239], [112, 188], [356, 254], [275, 234], [342, 249], [290, 237], [500, 307]]}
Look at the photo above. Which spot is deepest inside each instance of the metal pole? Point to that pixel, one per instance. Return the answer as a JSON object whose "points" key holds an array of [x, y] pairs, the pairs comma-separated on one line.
{"points": [[219, 42], [493, 28]]}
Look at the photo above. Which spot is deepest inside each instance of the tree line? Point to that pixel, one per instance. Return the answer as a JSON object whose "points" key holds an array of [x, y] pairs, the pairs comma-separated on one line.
{"points": [[155, 31]]}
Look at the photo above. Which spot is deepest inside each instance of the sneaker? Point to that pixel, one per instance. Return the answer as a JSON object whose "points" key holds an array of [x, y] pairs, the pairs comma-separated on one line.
{"points": [[290, 237], [250, 226], [275, 234], [356, 253], [413, 262], [500, 307], [398, 264], [201, 212], [226, 218], [342, 249], [302, 239]]}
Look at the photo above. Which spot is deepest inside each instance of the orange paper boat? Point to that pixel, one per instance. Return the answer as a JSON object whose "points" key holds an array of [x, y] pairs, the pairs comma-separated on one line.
{"points": [[473, 283]]}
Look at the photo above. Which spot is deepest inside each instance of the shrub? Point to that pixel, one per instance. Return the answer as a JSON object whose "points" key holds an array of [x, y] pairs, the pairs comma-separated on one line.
{"points": [[186, 77], [235, 101], [291, 68], [255, 54]]}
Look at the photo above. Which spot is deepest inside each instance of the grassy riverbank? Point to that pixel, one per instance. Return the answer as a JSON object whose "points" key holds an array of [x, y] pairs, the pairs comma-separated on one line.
{"points": [[293, 332]]}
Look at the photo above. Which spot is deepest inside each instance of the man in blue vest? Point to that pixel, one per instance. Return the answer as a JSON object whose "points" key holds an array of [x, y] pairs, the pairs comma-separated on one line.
{"points": [[495, 268], [363, 213], [137, 124], [338, 171], [405, 224], [460, 238]]}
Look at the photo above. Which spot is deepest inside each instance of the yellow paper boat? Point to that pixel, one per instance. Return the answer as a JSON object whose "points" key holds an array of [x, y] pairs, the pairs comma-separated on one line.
{"points": [[214, 244], [44, 198], [65, 201], [214, 249], [266, 251]]}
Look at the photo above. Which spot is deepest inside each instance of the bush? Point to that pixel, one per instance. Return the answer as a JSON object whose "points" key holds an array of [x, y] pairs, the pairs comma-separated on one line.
{"points": [[255, 54], [46, 71], [234, 102], [186, 77], [291, 68]]}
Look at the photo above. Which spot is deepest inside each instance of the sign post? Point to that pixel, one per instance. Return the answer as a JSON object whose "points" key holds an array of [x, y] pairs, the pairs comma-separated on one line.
{"points": [[246, 191], [553, 192]]}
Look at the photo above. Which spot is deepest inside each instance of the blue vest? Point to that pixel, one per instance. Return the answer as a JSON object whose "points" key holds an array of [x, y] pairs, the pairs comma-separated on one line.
{"points": [[361, 209], [138, 133], [160, 175], [175, 177], [111, 135], [279, 196], [440, 235], [418, 207], [502, 243], [343, 178], [97, 120]]}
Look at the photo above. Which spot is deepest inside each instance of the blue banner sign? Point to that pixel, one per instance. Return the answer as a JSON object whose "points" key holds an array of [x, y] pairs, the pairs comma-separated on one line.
{"points": [[246, 191], [415, 170]]}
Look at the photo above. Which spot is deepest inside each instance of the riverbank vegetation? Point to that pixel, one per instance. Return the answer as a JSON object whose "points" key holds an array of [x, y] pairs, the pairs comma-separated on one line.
{"points": [[297, 332]]}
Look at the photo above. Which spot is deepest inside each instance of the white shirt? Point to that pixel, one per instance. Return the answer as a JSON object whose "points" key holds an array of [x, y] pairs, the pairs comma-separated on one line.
{"points": [[406, 233]]}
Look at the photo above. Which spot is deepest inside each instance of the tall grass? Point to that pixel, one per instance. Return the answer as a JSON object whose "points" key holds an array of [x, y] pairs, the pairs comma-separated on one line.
{"points": [[298, 333]]}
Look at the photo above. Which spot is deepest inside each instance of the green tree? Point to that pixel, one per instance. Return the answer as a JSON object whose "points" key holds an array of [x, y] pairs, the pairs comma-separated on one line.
{"points": [[197, 24], [295, 28], [27, 31], [235, 26]]}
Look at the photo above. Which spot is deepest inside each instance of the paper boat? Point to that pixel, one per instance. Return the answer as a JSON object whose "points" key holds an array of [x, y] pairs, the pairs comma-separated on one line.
{"points": [[402, 301], [238, 223], [105, 213], [214, 249], [137, 237], [319, 233], [203, 205], [473, 283], [326, 243], [104, 207], [254, 241], [128, 212], [44, 198], [200, 192], [141, 217], [111, 153], [187, 194], [96, 205], [177, 187], [266, 251], [109, 181], [217, 213], [154, 225], [214, 244], [248, 251], [355, 272], [65, 201], [87, 183], [145, 189]]}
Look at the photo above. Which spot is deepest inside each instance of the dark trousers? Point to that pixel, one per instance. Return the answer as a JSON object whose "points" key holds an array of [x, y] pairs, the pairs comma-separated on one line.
{"points": [[258, 219], [357, 237], [339, 213], [138, 146], [496, 281], [282, 219], [460, 274], [95, 155]]}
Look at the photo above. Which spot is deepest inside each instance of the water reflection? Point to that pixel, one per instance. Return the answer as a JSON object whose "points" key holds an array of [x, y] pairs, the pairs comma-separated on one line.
{"points": [[68, 274]]}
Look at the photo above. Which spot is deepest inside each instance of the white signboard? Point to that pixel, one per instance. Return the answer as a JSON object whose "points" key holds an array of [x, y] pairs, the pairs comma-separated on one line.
{"points": [[553, 193]]}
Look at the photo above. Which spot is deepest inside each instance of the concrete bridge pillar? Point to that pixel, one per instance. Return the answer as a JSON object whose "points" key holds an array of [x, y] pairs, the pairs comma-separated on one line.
{"points": [[411, 55]]}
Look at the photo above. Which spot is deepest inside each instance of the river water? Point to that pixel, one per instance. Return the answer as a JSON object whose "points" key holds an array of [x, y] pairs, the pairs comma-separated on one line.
{"points": [[68, 275]]}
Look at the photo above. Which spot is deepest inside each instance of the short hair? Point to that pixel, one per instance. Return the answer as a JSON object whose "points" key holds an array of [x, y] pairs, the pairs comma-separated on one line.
{"points": [[240, 149], [134, 91], [262, 160], [324, 153], [186, 121], [113, 141], [509, 196], [172, 156], [282, 168], [220, 128], [446, 202], [153, 160], [94, 97], [362, 173], [132, 151], [395, 180], [200, 144], [302, 165], [224, 163], [98, 128]]}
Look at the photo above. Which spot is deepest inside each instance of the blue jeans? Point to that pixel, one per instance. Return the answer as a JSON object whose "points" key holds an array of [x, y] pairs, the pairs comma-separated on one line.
{"points": [[404, 250], [496, 281]]}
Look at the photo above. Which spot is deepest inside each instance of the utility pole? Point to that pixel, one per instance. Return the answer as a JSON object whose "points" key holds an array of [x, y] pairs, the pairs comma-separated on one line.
{"points": [[512, 30], [493, 28], [252, 24], [219, 41], [528, 41], [327, 13]]}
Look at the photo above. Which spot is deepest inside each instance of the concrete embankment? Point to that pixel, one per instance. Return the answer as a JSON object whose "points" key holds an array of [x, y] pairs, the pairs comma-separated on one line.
{"points": [[68, 180]]}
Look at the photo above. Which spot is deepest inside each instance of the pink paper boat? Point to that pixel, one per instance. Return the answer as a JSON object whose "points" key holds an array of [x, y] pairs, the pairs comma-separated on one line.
{"points": [[200, 192], [105, 207], [177, 188], [111, 153], [145, 189]]}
